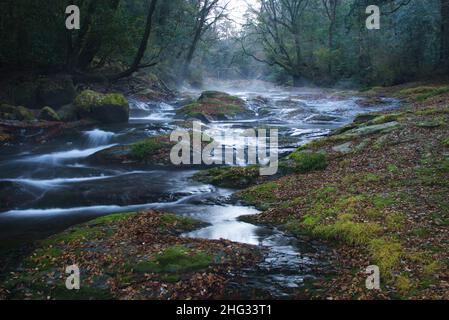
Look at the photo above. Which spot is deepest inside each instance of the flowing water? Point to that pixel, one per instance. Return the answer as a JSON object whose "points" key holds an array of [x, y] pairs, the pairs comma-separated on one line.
{"points": [[57, 189]]}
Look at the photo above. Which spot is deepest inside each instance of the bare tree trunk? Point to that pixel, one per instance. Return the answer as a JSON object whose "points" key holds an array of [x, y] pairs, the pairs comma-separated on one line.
{"points": [[143, 44], [92, 44], [444, 50]]}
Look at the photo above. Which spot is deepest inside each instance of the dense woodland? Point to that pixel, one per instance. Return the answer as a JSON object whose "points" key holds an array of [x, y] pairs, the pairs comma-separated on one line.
{"points": [[324, 41]]}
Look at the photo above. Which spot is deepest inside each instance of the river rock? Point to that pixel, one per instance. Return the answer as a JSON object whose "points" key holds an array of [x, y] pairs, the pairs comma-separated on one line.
{"points": [[12, 195], [54, 91], [48, 114], [322, 118], [215, 105], [344, 148], [368, 130], [8, 112], [106, 108], [67, 113]]}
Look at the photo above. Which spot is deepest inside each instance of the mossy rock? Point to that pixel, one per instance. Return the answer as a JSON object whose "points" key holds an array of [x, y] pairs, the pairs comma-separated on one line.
{"points": [[214, 105], [371, 101], [105, 108], [372, 129], [8, 112], [152, 150], [230, 177], [176, 259], [386, 118], [67, 113], [48, 114], [147, 148]]}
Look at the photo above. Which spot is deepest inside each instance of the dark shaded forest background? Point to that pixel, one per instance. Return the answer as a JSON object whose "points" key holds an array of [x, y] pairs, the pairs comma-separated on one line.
{"points": [[324, 42]]}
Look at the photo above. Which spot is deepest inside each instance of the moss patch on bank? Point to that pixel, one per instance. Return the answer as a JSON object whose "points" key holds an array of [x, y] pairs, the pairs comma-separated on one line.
{"points": [[380, 200], [130, 256]]}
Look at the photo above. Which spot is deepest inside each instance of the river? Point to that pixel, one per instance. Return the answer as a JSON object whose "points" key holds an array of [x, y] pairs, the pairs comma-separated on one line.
{"points": [[63, 190]]}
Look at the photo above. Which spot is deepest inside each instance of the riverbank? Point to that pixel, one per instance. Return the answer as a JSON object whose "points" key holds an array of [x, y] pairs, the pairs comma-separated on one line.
{"points": [[131, 256], [377, 195], [332, 190]]}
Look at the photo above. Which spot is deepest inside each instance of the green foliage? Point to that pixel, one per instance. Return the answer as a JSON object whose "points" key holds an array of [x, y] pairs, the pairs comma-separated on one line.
{"points": [[424, 93], [148, 147], [8, 112], [49, 114], [344, 229], [214, 104], [387, 254], [307, 162], [229, 177], [176, 259]]}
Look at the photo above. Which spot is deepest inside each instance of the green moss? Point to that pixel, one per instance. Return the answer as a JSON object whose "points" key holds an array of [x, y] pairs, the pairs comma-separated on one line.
{"points": [[73, 235], [344, 229], [215, 104], [403, 284], [445, 142], [387, 254], [392, 168], [109, 108], [386, 118], [113, 218], [42, 258], [229, 177], [148, 147], [431, 111], [184, 223], [307, 162], [424, 92], [88, 100], [8, 112], [395, 221], [48, 114], [432, 268], [85, 293], [381, 202], [371, 177], [176, 259], [261, 194]]}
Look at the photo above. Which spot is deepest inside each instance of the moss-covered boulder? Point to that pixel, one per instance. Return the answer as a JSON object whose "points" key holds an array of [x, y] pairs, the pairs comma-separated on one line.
{"points": [[214, 105], [36, 93], [8, 112], [48, 114], [68, 113], [230, 177], [153, 150], [105, 108]]}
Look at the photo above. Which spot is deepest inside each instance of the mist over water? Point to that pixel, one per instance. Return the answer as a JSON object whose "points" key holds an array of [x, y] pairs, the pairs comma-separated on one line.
{"points": [[60, 188]]}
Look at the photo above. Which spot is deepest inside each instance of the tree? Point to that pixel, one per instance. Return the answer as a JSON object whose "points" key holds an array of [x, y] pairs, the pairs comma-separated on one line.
{"points": [[203, 21], [444, 35], [279, 29], [331, 7], [136, 65]]}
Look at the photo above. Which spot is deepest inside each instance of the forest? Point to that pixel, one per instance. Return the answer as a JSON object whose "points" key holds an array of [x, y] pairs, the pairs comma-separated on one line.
{"points": [[318, 131], [322, 42]]}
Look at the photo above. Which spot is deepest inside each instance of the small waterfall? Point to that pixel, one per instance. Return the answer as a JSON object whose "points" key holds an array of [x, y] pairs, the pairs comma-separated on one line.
{"points": [[57, 157], [98, 137]]}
